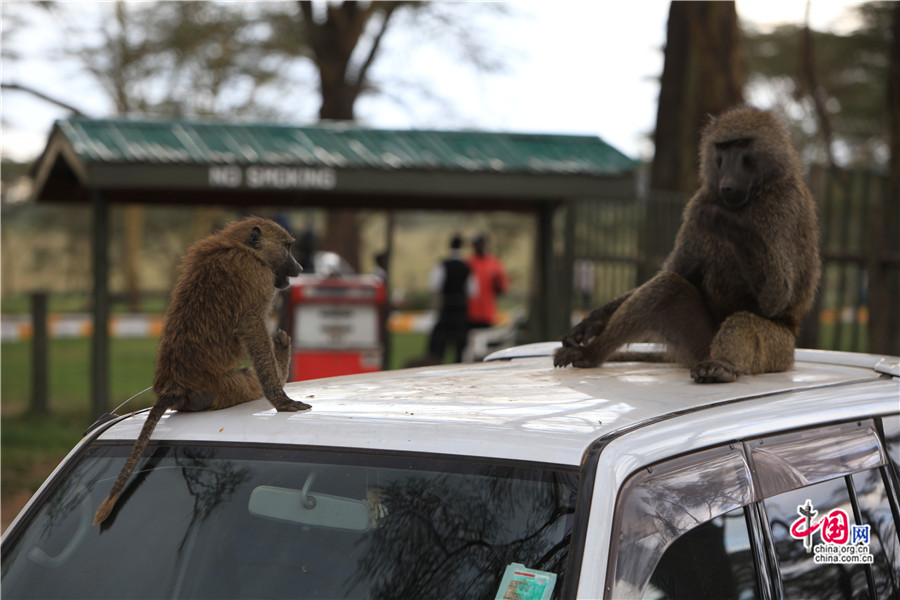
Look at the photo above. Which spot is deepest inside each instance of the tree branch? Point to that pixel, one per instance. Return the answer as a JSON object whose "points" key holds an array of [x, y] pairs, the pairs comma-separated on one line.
{"points": [[42, 96], [373, 51], [815, 91]]}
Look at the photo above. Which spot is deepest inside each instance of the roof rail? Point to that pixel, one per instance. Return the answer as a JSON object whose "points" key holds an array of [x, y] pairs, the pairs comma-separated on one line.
{"points": [[886, 365]]}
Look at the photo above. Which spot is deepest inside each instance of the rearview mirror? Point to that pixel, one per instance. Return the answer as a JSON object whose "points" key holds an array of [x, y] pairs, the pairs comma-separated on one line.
{"points": [[313, 509]]}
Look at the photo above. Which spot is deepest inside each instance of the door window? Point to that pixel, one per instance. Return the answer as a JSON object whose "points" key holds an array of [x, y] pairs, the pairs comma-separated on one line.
{"points": [[811, 529], [663, 502], [884, 545], [712, 560]]}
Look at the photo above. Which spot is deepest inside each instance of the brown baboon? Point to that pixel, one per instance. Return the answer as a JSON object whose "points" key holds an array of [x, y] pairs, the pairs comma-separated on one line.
{"points": [[218, 314], [744, 270]]}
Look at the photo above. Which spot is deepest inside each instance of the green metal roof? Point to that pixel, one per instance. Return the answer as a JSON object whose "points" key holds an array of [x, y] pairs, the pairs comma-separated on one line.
{"points": [[332, 165], [338, 146]]}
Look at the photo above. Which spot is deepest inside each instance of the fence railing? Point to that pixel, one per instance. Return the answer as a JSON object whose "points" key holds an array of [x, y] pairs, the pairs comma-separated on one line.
{"points": [[620, 242]]}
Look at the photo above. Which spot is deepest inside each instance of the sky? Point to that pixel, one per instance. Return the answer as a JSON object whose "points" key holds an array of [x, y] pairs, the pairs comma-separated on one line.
{"points": [[595, 75]]}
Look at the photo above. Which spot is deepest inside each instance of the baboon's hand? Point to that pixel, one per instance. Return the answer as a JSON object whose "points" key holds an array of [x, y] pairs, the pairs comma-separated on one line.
{"points": [[585, 332], [281, 340], [577, 356], [713, 371]]}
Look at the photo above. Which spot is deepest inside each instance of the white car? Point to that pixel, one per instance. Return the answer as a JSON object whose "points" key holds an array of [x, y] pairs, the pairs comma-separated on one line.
{"points": [[502, 479]]}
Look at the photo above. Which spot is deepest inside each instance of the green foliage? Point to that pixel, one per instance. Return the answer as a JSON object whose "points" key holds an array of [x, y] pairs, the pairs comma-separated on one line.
{"points": [[189, 58], [852, 72]]}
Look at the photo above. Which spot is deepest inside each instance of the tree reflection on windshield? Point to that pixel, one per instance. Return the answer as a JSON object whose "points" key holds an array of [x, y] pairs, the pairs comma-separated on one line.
{"points": [[449, 530]]}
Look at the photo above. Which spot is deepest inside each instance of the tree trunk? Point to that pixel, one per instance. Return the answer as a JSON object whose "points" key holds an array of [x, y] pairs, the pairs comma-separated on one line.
{"points": [[884, 280], [703, 75], [134, 240], [333, 41]]}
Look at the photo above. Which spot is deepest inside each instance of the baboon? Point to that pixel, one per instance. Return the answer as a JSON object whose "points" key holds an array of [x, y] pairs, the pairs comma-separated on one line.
{"points": [[217, 316], [730, 296]]}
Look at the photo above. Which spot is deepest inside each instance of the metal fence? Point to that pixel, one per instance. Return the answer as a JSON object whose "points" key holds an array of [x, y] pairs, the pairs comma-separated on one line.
{"points": [[859, 296], [620, 242]]}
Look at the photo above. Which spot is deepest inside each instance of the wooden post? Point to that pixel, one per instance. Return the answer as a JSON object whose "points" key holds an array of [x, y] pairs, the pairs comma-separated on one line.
{"points": [[565, 285], [100, 342], [385, 311], [548, 299], [39, 364]]}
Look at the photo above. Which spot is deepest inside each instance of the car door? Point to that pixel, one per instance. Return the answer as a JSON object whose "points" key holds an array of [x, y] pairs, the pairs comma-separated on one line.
{"points": [[810, 513]]}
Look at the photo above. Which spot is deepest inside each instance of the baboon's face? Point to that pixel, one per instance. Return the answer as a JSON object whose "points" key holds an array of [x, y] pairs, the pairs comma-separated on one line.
{"points": [[735, 171], [274, 245], [287, 266]]}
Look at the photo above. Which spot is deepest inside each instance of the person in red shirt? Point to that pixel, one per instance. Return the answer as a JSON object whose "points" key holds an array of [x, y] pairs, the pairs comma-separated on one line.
{"points": [[491, 280]]}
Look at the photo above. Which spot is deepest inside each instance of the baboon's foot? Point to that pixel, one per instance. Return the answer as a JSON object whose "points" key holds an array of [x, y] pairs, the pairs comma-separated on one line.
{"points": [[292, 406], [284, 404], [714, 371]]}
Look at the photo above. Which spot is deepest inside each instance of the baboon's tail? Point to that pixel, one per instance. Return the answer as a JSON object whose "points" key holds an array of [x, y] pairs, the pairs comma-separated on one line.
{"points": [[153, 417]]}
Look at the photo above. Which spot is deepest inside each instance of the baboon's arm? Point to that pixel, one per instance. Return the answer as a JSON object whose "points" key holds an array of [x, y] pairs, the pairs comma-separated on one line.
{"points": [[255, 339]]}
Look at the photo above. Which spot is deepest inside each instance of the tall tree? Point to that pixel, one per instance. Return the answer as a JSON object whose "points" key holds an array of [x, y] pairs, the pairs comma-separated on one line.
{"points": [[335, 34], [703, 74], [186, 58], [345, 41]]}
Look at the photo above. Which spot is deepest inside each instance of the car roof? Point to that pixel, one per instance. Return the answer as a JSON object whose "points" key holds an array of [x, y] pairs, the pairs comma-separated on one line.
{"points": [[515, 405]]}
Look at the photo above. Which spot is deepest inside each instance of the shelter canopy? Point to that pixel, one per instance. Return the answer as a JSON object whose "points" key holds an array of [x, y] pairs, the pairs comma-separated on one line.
{"points": [[331, 165]]}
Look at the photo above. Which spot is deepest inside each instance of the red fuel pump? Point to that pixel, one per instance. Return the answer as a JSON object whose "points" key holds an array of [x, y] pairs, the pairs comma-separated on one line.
{"points": [[335, 325]]}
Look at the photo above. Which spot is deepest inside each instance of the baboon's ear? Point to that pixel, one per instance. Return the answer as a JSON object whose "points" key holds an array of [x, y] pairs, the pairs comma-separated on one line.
{"points": [[254, 240]]}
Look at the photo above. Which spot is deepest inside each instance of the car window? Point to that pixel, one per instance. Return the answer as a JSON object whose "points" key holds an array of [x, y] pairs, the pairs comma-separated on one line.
{"points": [[661, 503], [884, 544], [891, 426], [712, 560], [836, 538], [227, 522], [813, 529]]}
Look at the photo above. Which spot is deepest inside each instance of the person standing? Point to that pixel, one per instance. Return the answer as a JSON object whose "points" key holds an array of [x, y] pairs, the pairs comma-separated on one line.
{"points": [[491, 280], [452, 285]]}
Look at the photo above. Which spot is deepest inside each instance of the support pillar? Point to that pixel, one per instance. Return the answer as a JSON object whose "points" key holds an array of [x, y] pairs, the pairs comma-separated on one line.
{"points": [[100, 297]]}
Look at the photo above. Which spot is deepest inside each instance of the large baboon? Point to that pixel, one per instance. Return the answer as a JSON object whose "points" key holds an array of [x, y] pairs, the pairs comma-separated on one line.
{"points": [[218, 315], [744, 270]]}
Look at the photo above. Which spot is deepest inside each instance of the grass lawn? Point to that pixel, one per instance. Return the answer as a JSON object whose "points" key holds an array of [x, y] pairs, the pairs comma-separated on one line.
{"points": [[31, 445]]}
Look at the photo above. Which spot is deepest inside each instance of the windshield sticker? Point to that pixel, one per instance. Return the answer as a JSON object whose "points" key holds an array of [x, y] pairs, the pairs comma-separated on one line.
{"points": [[522, 583], [840, 541]]}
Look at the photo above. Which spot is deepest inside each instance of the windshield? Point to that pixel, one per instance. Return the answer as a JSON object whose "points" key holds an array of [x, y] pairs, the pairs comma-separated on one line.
{"points": [[241, 522]]}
